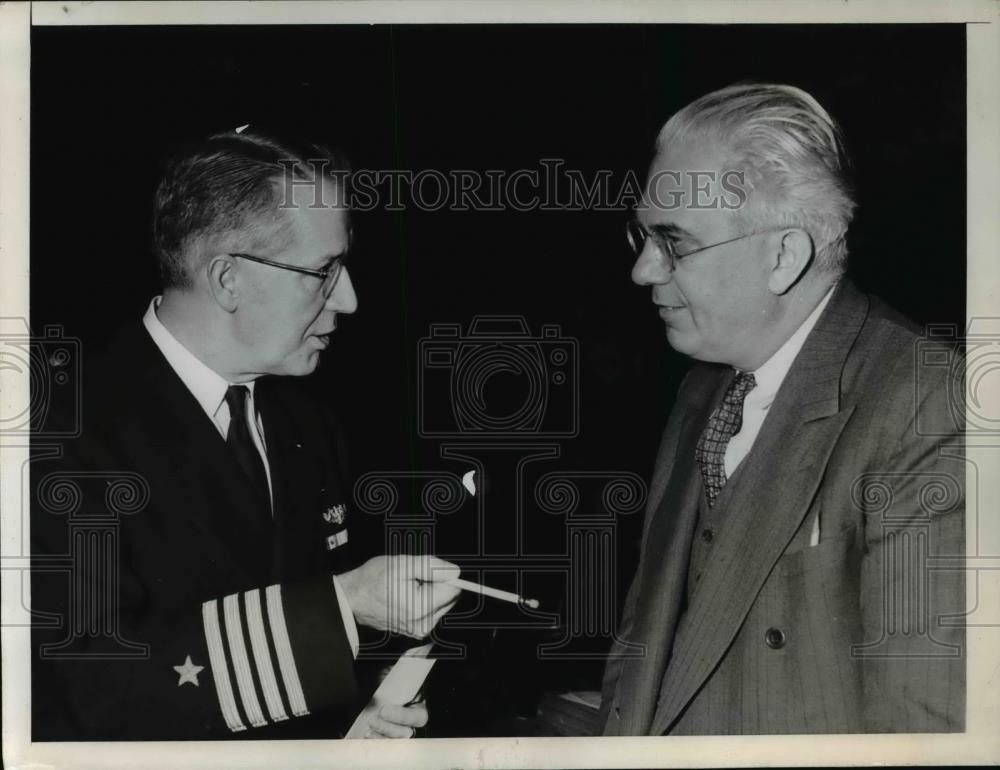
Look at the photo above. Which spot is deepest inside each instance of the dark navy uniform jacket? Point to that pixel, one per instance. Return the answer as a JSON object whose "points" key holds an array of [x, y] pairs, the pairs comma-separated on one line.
{"points": [[167, 602]]}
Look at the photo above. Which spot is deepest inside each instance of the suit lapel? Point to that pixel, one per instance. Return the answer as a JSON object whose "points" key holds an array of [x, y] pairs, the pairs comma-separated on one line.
{"points": [[177, 436], [296, 532], [766, 502]]}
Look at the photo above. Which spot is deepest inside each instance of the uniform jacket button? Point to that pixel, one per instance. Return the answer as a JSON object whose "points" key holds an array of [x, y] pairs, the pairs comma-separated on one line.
{"points": [[706, 535], [774, 638]]}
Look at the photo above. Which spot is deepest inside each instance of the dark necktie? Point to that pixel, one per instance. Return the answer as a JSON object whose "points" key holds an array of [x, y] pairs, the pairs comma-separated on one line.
{"points": [[241, 443], [724, 423]]}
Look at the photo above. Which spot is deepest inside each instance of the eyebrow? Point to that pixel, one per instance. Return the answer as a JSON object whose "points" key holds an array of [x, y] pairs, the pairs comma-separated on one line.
{"points": [[672, 231], [328, 260]]}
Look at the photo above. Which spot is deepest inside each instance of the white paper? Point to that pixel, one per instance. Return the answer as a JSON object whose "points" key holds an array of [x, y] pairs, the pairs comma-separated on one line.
{"points": [[399, 687]]}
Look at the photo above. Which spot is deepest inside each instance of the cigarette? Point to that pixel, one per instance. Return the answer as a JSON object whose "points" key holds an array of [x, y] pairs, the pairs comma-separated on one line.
{"points": [[507, 596]]}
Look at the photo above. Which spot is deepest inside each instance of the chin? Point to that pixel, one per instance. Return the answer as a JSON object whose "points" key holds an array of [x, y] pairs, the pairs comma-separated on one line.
{"points": [[683, 343], [301, 365], [694, 348], [309, 365]]}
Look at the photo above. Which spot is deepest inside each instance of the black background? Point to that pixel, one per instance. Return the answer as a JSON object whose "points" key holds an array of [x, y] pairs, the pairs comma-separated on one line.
{"points": [[108, 103]]}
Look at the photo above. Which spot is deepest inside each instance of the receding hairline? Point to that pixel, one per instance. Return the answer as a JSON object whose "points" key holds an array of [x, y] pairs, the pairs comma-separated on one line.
{"points": [[272, 231], [223, 191], [791, 151]]}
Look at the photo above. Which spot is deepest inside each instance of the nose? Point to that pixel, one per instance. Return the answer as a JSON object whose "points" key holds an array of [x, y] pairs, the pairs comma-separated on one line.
{"points": [[343, 299], [650, 266]]}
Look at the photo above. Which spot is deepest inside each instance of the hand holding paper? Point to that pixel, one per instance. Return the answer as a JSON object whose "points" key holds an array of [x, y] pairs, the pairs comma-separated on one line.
{"points": [[392, 721], [387, 715]]}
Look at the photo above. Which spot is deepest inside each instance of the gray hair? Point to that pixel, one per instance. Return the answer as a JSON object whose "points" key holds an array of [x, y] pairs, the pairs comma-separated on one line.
{"points": [[793, 156], [227, 187]]}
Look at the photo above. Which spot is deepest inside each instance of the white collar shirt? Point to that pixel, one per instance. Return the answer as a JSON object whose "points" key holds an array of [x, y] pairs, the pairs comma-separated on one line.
{"points": [[206, 385], [769, 377]]}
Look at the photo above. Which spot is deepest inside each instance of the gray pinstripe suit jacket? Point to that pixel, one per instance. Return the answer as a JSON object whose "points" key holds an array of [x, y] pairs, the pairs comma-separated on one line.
{"points": [[859, 633]]}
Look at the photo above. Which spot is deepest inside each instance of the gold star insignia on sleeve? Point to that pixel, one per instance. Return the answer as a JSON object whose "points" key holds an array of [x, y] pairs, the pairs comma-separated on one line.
{"points": [[189, 672]]}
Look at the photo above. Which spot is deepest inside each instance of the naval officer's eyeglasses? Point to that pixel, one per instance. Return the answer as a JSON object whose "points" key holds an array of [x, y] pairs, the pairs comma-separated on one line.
{"points": [[637, 234], [329, 275]]}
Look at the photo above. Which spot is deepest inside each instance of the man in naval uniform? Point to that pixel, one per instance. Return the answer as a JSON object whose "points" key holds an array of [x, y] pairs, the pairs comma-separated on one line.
{"points": [[224, 602]]}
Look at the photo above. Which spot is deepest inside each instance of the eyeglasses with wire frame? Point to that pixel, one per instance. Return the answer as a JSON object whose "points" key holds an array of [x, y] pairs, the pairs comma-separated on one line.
{"points": [[329, 275], [637, 234]]}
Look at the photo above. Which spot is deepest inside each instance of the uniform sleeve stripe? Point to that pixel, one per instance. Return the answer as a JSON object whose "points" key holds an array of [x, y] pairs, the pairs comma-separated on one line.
{"points": [[262, 656], [283, 646], [241, 663], [220, 672], [274, 654]]}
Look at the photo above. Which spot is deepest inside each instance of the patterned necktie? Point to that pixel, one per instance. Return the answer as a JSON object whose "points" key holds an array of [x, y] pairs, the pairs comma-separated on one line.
{"points": [[724, 423], [241, 444]]}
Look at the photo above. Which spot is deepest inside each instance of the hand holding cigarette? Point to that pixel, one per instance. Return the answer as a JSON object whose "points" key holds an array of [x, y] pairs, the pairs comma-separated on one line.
{"points": [[403, 594], [496, 593]]}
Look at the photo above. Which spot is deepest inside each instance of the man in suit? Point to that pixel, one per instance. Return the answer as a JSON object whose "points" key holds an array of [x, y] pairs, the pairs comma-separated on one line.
{"points": [[790, 577], [192, 574]]}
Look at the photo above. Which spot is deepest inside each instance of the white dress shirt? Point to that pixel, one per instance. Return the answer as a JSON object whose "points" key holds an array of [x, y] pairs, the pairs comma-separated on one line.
{"points": [[769, 377], [209, 389], [206, 385]]}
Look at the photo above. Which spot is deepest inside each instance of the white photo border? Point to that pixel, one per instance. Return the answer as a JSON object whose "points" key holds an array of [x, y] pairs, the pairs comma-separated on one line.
{"points": [[978, 745]]}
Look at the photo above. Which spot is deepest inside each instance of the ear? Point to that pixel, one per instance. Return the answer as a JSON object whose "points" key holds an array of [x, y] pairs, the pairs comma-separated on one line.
{"points": [[795, 252], [222, 285]]}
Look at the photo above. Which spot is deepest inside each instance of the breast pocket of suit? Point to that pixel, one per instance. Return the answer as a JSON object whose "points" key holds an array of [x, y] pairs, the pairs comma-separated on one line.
{"points": [[803, 626], [832, 552]]}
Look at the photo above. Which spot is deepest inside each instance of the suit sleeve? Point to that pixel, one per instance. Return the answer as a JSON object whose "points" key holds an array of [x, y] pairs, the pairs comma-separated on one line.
{"points": [[912, 583], [616, 658], [613, 667], [122, 667]]}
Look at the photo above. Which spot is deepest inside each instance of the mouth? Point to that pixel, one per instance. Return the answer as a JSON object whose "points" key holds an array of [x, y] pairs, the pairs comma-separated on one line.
{"points": [[665, 310]]}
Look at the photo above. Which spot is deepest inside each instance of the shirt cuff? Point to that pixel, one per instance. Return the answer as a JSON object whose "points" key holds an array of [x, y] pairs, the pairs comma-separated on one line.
{"points": [[350, 627]]}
